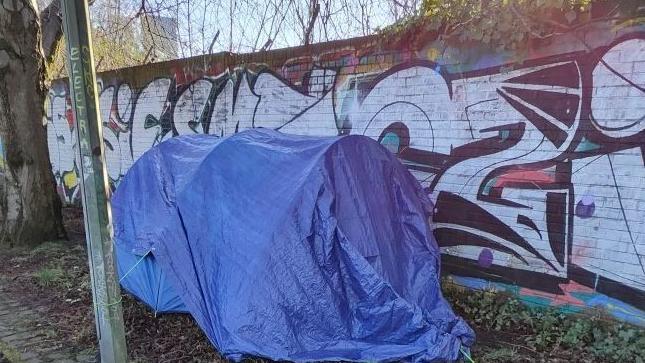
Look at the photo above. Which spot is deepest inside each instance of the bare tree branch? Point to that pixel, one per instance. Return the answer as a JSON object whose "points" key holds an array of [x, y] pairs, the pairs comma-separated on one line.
{"points": [[314, 11], [266, 45], [210, 47]]}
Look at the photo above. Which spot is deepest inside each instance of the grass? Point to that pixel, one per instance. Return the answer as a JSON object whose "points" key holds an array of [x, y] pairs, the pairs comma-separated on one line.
{"points": [[47, 248], [49, 276], [55, 264], [500, 355], [9, 353]]}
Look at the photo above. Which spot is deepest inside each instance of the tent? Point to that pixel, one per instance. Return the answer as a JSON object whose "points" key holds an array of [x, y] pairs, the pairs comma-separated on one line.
{"points": [[141, 276], [287, 247]]}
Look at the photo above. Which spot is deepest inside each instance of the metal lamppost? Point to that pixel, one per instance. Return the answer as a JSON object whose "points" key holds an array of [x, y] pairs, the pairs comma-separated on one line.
{"points": [[106, 292]]}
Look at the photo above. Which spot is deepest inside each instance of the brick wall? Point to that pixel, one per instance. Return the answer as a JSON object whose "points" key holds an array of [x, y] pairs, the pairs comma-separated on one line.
{"points": [[535, 162]]}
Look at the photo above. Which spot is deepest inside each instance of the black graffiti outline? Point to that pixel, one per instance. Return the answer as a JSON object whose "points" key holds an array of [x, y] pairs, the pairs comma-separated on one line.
{"points": [[586, 62]]}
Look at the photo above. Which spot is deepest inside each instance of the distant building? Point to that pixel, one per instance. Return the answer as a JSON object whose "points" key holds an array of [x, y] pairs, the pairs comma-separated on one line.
{"points": [[160, 37]]}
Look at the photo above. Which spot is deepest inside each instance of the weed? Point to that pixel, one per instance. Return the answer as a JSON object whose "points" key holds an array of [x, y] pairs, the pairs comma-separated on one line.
{"points": [[47, 277], [547, 329], [490, 309], [619, 343], [578, 332], [46, 248], [547, 326], [8, 353], [500, 355]]}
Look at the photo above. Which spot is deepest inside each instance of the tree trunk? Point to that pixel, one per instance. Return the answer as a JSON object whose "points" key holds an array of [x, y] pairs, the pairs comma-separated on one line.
{"points": [[30, 209]]}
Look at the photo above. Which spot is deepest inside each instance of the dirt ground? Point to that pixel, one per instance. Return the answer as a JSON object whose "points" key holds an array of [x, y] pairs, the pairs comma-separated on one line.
{"points": [[55, 277]]}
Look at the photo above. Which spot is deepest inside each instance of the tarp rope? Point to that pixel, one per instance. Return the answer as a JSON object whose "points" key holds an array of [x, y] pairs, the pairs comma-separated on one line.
{"points": [[125, 275], [466, 355], [134, 266]]}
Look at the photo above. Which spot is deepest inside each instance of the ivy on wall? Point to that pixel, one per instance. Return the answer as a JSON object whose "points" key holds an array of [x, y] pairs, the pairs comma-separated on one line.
{"points": [[509, 24]]}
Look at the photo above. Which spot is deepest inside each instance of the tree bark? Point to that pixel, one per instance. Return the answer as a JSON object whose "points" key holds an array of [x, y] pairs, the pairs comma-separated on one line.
{"points": [[51, 25], [30, 209]]}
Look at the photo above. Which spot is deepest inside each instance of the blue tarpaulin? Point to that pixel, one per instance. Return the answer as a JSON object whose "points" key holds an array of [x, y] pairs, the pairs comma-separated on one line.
{"points": [[287, 247], [143, 277]]}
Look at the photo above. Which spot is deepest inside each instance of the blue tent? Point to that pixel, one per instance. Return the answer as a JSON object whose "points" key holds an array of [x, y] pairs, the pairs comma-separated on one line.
{"points": [[142, 277], [287, 247]]}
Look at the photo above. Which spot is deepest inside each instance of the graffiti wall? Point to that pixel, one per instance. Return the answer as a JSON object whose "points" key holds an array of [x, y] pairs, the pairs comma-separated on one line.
{"points": [[536, 165]]}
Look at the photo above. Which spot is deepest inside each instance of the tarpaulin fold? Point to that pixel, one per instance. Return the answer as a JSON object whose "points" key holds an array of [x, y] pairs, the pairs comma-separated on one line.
{"points": [[290, 247]]}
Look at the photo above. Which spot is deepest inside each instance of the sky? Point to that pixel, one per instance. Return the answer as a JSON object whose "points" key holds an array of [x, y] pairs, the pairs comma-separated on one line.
{"points": [[249, 25]]}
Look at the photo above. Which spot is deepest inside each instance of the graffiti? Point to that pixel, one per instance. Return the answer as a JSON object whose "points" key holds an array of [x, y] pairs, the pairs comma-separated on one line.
{"points": [[572, 298], [61, 140], [519, 162], [536, 171]]}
